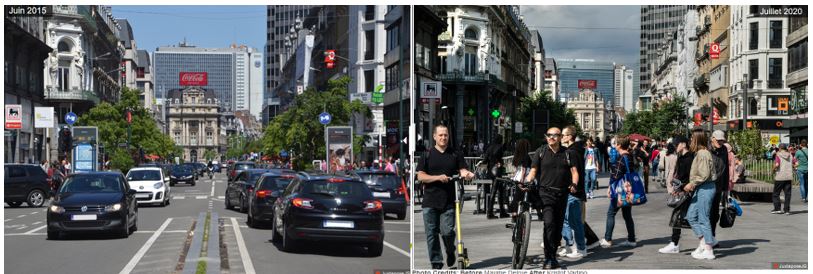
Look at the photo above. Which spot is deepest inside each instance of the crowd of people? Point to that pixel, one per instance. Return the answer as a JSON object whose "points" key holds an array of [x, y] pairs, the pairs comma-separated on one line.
{"points": [[704, 168]]}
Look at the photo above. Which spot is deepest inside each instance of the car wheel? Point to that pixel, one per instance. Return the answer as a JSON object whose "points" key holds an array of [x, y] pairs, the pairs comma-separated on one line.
{"points": [[243, 207], [275, 237], [288, 243], [125, 231], [135, 225], [53, 235], [228, 202], [374, 250], [15, 204], [36, 198]]}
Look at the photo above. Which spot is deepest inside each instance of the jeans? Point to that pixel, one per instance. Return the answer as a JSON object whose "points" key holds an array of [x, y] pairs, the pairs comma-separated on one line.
{"points": [[778, 187], [802, 183], [439, 221], [627, 213], [573, 220], [655, 168], [498, 192], [590, 182], [698, 213]]}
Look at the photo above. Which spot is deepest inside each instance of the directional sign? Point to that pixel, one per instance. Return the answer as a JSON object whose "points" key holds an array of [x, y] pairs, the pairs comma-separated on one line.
{"points": [[325, 118], [283, 154], [70, 118]]}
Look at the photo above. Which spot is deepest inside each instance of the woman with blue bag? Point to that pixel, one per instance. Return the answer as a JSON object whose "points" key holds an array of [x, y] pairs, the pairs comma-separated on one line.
{"points": [[618, 176], [700, 181]]}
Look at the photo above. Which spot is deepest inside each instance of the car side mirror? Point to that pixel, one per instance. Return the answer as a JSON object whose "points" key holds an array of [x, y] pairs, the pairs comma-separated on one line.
{"points": [[131, 192]]}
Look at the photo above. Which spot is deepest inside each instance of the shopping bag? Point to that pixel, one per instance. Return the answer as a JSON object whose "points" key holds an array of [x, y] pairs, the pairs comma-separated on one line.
{"points": [[629, 189]]}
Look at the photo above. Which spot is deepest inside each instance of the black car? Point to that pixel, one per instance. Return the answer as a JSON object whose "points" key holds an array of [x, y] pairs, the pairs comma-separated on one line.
{"points": [[182, 174], [93, 201], [25, 183], [329, 208], [238, 191], [201, 168], [387, 187], [238, 167], [267, 189]]}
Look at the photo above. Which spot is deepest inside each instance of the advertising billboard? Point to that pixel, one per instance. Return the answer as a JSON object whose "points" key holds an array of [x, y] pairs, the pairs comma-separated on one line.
{"points": [[193, 78], [588, 84]]}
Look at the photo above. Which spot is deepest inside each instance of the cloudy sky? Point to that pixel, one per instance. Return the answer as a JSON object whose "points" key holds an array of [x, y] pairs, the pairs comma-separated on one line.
{"points": [[603, 33]]}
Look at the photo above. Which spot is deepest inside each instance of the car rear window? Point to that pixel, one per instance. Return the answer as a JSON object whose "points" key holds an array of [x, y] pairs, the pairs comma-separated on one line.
{"points": [[275, 183], [386, 181], [90, 183], [346, 189], [144, 175]]}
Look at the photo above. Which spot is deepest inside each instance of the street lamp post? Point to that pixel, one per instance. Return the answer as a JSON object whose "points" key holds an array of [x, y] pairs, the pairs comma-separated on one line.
{"points": [[745, 101]]}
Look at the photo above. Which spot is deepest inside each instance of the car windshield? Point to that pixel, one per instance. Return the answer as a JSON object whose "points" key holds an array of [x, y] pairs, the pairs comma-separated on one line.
{"points": [[180, 169], [383, 180], [144, 175], [275, 183], [91, 183], [346, 189]]}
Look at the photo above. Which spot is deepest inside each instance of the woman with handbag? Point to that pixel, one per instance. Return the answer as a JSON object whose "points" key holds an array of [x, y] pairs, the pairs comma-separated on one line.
{"points": [[623, 165], [677, 171], [700, 181]]}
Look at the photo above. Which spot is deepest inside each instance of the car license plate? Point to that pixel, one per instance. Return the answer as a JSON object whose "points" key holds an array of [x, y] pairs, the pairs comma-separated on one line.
{"points": [[339, 224], [381, 194], [86, 217], [142, 195]]}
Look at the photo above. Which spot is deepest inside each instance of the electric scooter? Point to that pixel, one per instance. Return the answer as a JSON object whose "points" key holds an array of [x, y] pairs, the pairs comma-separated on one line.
{"points": [[462, 252]]}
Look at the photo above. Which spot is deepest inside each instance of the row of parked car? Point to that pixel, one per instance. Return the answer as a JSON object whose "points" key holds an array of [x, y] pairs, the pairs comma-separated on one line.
{"points": [[301, 206]]}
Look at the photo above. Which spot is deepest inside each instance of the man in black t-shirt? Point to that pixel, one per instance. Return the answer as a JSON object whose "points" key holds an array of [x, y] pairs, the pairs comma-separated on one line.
{"points": [[558, 177], [435, 170]]}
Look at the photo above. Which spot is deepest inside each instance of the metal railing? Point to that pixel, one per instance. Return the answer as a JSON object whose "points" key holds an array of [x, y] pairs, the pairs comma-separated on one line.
{"points": [[762, 170]]}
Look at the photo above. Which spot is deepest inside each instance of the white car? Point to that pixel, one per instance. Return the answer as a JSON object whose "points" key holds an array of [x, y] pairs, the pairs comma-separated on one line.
{"points": [[151, 185]]}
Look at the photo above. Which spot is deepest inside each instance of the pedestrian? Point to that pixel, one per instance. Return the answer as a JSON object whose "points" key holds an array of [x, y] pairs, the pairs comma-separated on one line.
{"points": [[435, 170], [591, 167], [522, 164], [801, 168], [390, 167], [724, 151], [678, 166], [558, 175], [669, 161], [643, 156], [664, 178], [493, 157], [66, 166], [623, 165], [574, 213], [701, 183], [783, 175], [655, 159]]}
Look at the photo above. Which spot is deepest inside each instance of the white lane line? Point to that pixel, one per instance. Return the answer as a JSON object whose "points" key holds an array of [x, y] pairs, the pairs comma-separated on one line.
{"points": [[36, 223], [7, 220], [35, 230], [396, 249], [396, 223], [248, 266], [165, 231], [201, 197], [23, 234], [35, 212], [213, 189], [21, 216], [137, 257], [221, 197], [178, 197]]}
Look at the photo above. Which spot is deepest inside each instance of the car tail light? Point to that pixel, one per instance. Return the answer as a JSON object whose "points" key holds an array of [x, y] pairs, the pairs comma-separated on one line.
{"points": [[233, 173], [287, 176], [303, 203], [263, 193], [335, 180], [372, 206]]}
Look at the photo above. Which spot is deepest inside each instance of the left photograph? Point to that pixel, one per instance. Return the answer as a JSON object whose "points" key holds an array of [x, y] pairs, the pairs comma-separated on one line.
{"points": [[206, 139]]}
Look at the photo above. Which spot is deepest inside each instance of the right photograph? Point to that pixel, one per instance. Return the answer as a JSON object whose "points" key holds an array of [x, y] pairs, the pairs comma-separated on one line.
{"points": [[536, 128]]}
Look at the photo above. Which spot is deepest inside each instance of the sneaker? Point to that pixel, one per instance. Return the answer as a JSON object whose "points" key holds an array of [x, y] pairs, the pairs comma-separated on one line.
{"points": [[697, 251], [437, 266], [577, 254], [564, 250], [605, 244], [704, 255], [628, 244], [776, 212], [593, 245], [670, 249], [787, 212]]}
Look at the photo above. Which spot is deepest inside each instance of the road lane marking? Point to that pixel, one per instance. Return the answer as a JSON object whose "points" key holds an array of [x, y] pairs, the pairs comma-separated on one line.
{"points": [[165, 231], [396, 249], [221, 197], [178, 197], [201, 197], [21, 216], [35, 212], [213, 189], [248, 266], [137, 257], [36, 223], [7, 220], [35, 230]]}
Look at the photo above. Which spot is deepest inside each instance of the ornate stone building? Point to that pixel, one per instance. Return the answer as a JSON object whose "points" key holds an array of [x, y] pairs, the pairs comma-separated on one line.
{"points": [[590, 113], [193, 120]]}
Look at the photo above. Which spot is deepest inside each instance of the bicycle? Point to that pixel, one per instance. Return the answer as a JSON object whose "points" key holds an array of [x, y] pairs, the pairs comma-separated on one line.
{"points": [[521, 226]]}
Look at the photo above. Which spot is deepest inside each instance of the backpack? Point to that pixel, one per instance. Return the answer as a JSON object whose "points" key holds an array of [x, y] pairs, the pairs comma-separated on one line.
{"points": [[719, 168], [613, 155]]}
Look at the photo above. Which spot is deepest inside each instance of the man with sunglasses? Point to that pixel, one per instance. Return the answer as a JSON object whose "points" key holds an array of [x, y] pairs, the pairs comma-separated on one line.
{"points": [[558, 177]]}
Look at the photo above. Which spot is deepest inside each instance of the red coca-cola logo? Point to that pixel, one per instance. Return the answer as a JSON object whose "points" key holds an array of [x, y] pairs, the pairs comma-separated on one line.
{"points": [[193, 79]]}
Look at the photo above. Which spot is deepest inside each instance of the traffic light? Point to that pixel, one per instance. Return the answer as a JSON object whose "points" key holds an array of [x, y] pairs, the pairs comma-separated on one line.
{"points": [[330, 58], [61, 141], [68, 139]]}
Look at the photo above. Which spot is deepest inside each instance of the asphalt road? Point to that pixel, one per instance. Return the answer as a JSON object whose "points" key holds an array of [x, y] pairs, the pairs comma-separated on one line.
{"points": [[757, 239], [169, 236]]}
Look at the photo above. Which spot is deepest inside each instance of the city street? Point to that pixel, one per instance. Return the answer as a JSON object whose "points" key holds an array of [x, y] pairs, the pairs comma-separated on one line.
{"points": [[161, 240], [757, 239]]}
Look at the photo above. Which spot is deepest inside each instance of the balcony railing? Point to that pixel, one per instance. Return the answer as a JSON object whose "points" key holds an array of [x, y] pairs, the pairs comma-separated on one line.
{"points": [[72, 95]]}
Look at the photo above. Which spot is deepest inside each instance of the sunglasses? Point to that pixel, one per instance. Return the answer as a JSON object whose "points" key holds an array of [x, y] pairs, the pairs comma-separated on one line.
{"points": [[552, 135]]}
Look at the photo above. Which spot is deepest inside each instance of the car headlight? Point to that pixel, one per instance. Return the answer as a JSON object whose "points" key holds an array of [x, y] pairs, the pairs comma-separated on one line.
{"points": [[112, 208], [57, 209], [158, 185]]}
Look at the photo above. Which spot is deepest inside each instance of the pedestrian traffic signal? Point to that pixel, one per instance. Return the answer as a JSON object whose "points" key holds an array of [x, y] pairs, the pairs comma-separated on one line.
{"points": [[68, 139]]}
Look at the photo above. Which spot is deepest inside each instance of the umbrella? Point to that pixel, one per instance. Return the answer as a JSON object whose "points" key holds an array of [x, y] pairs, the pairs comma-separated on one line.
{"points": [[638, 137]]}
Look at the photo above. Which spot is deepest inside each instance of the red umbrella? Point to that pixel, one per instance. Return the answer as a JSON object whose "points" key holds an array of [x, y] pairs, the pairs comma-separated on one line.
{"points": [[638, 137]]}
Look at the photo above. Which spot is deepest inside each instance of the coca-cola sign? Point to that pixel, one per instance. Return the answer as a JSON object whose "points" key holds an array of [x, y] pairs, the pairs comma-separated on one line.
{"points": [[193, 79], [587, 84]]}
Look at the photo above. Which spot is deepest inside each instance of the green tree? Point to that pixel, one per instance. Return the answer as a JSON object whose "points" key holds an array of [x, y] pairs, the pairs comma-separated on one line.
{"points": [[298, 129], [209, 155], [665, 120], [112, 124], [560, 116], [748, 143]]}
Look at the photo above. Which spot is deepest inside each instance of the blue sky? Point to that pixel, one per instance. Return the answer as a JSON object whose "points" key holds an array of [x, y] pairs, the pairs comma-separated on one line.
{"points": [[202, 26]]}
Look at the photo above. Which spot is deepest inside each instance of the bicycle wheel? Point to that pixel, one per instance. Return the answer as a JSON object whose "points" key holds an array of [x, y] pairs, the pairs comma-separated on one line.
{"points": [[522, 234]]}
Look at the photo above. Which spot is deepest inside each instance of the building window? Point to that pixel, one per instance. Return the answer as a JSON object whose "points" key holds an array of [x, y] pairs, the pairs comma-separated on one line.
{"points": [[775, 73], [369, 80], [752, 109], [776, 35], [369, 13], [63, 75], [753, 72], [470, 61], [393, 36], [753, 42], [369, 41], [797, 56], [63, 47], [470, 33], [392, 76]]}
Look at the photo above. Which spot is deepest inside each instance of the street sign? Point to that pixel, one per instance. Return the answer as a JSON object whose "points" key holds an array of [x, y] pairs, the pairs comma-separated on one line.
{"points": [[14, 116], [283, 154], [378, 95], [325, 118], [44, 117], [714, 51], [70, 118]]}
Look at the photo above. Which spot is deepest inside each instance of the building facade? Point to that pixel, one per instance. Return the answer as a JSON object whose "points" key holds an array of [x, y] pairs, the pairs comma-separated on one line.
{"points": [[797, 78], [279, 21], [194, 122], [552, 78], [712, 82], [591, 113], [538, 69], [397, 71], [623, 86], [573, 70], [426, 70], [657, 23]]}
